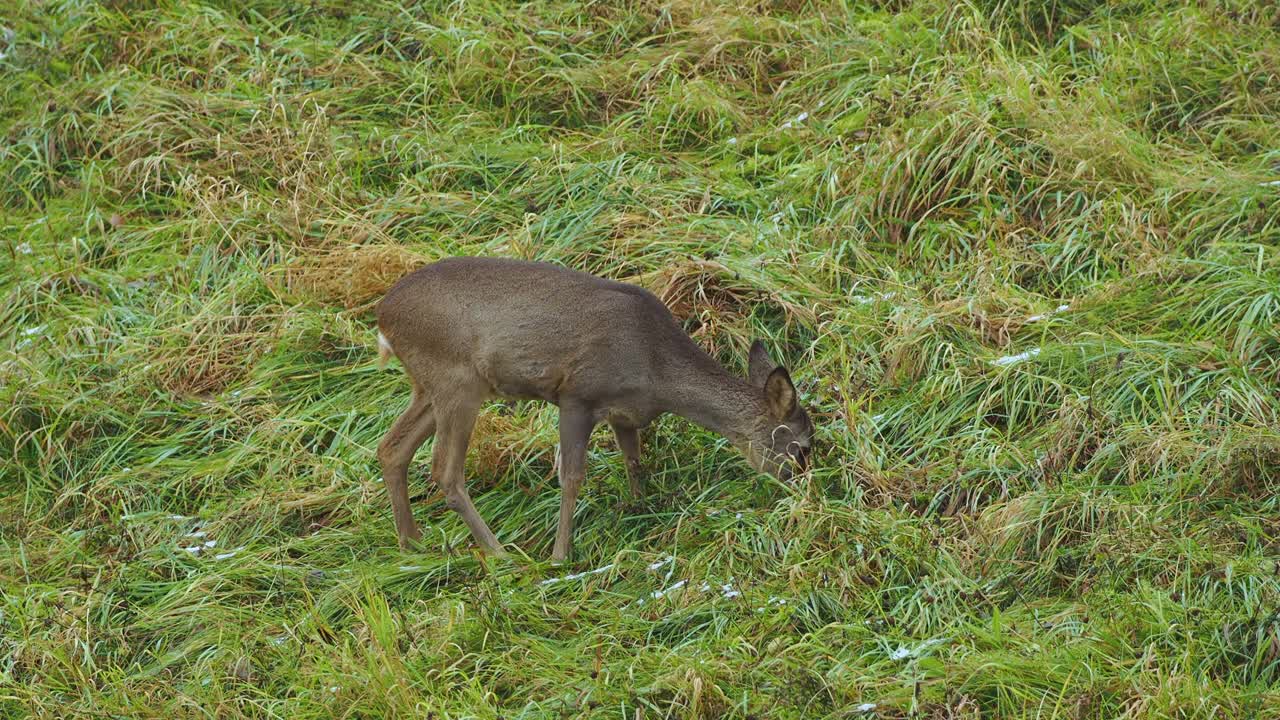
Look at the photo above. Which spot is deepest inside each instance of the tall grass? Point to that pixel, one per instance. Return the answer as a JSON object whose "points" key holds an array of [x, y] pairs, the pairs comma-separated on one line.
{"points": [[1021, 256]]}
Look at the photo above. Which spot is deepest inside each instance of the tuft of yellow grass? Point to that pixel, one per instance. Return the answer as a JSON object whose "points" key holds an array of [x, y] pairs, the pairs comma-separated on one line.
{"points": [[351, 276]]}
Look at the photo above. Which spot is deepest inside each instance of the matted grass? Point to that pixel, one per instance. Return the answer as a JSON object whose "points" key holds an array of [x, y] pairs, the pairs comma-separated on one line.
{"points": [[1021, 256]]}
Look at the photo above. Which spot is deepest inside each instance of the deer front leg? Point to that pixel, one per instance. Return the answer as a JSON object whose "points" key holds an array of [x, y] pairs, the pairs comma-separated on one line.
{"points": [[629, 444], [575, 430]]}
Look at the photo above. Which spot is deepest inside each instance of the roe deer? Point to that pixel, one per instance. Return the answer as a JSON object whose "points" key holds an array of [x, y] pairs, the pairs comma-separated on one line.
{"points": [[467, 329]]}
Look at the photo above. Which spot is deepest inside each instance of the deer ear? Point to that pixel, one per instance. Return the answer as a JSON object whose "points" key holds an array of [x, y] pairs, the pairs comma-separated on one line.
{"points": [[780, 394], [759, 364]]}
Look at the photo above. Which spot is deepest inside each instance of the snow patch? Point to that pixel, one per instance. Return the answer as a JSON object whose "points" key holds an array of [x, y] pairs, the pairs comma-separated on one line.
{"points": [[660, 563], [659, 593], [904, 652], [197, 549], [1045, 316], [228, 554], [575, 576], [868, 299], [727, 591], [1015, 359]]}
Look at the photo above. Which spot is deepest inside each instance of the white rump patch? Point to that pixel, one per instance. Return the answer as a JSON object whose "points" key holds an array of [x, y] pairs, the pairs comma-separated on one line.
{"points": [[385, 352]]}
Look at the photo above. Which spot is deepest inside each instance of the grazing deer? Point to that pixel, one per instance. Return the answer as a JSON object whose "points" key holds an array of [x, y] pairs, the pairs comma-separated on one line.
{"points": [[468, 329]]}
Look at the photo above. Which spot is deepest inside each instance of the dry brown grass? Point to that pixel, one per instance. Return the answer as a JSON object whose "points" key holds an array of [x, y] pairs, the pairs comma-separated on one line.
{"points": [[351, 276]]}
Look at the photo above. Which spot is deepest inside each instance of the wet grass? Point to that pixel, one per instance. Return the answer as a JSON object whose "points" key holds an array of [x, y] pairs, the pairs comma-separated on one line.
{"points": [[1021, 256]]}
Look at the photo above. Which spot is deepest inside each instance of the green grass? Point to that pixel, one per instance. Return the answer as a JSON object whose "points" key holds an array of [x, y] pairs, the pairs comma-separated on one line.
{"points": [[1017, 511]]}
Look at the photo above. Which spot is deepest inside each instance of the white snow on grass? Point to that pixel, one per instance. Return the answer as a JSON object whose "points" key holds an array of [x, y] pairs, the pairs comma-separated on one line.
{"points": [[660, 563], [576, 576], [1015, 359], [726, 590], [197, 549], [1045, 316], [228, 554], [905, 652]]}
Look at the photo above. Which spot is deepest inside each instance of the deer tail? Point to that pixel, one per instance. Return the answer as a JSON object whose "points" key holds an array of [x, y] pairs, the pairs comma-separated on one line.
{"points": [[384, 350]]}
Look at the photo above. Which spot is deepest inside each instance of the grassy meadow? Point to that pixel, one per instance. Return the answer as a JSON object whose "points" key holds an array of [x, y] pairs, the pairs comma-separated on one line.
{"points": [[1020, 255]]}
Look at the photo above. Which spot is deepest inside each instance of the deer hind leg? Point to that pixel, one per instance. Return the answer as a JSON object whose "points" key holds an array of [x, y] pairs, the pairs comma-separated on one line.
{"points": [[629, 444], [395, 452], [456, 420]]}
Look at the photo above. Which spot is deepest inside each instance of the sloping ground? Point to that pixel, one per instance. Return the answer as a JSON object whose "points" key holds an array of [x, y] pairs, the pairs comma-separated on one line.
{"points": [[1021, 256]]}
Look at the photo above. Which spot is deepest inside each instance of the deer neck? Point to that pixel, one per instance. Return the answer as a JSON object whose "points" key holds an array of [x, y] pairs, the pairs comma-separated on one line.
{"points": [[698, 389]]}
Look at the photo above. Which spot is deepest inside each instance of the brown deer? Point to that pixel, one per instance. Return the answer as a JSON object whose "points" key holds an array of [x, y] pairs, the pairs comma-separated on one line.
{"points": [[467, 329]]}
